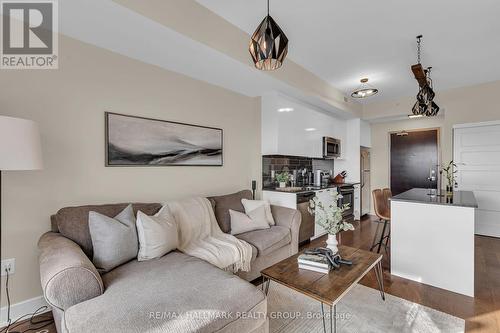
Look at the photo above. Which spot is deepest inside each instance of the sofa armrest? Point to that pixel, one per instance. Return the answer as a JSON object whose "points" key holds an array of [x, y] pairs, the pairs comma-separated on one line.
{"points": [[290, 218], [67, 275]]}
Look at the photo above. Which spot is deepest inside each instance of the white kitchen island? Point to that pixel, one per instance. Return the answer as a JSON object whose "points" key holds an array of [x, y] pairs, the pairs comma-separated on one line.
{"points": [[432, 239]]}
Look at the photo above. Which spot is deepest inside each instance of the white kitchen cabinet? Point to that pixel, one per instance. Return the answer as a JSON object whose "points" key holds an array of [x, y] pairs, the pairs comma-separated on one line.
{"points": [[299, 132], [283, 199]]}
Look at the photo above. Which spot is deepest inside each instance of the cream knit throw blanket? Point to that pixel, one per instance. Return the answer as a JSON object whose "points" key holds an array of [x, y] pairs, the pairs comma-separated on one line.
{"points": [[200, 236]]}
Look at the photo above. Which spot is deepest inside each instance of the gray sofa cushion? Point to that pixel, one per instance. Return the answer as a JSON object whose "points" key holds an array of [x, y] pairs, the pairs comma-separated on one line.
{"points": [[222, 204], [267, 240], [175, 293], [255, 252], [73, 222]]}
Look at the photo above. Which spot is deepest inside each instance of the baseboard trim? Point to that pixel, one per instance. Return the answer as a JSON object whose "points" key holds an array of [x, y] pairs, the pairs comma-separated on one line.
{"points": [[487, 228], [23, 308]]}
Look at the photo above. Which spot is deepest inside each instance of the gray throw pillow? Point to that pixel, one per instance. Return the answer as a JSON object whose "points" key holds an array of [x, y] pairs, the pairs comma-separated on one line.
{"points": [[255, 220], [114, 239], [223, 203]]}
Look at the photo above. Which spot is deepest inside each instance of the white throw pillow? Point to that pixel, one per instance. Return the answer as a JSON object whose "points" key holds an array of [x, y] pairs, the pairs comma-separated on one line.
{"points": [[241, 222], [157, 234], [253, 204]]}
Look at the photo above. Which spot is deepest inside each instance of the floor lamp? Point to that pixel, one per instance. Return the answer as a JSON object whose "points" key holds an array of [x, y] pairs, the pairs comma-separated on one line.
{"points": [[20, 149]]}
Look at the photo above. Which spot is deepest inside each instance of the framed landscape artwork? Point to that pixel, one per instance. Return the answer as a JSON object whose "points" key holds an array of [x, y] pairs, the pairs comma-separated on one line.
{"points": [[137, 141]]}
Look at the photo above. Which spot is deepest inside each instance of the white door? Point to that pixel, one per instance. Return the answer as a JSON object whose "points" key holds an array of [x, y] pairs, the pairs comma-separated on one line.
{"points": [[476, 150]]}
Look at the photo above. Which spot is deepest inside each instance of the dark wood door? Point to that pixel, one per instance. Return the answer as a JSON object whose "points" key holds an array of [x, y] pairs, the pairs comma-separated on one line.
{"points": [[413, 156]]}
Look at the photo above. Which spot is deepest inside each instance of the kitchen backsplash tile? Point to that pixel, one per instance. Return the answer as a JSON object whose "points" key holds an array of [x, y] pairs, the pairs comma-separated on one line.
{"points": [[318, 164], [271, 164]]}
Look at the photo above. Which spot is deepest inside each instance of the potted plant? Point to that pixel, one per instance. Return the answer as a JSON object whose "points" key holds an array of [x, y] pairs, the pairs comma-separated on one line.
{"points": [[282, 178], [329, 216], [450, 170]]}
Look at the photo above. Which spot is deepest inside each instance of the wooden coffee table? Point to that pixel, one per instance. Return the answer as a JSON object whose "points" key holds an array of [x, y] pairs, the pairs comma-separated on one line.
{"points": [[326, 288]]}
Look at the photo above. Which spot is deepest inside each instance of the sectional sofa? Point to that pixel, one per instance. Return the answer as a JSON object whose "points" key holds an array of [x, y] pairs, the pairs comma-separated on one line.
{"points": [[175, 293]]}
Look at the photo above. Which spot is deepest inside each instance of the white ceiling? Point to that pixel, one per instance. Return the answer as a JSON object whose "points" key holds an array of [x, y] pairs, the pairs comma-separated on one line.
{"points": [[343, 41], [126, 32]]}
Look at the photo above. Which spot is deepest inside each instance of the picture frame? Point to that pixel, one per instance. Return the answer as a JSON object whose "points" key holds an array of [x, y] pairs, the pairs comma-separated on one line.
{"points": [[140, 141]]}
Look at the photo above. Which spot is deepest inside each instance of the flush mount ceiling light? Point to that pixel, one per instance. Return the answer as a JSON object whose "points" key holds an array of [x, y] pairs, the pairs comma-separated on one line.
{"points": [[425, 105], [310, 129], [285, 110], [364, 90], [269, 45]]}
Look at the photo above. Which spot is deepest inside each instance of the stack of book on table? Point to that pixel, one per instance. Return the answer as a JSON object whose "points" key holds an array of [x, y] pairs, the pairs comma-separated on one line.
{"points": [[314, 262]]}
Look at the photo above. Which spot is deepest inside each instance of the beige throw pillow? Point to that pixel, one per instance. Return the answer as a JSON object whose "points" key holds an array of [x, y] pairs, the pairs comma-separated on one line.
{"points": [[157, 234], [241, 222], [250, 205]]}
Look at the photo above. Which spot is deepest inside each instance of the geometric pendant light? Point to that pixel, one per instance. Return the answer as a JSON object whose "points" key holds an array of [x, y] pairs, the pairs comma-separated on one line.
{"points": [[269, 45]]}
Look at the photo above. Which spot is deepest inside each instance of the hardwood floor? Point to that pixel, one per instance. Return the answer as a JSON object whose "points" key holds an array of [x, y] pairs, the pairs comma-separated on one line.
{"points": [[482, 313], [40, 325]]}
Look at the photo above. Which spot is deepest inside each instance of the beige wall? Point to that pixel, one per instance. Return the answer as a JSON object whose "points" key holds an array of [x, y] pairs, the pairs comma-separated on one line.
{"points": [[463, 105], [69, 106], [380, 153]]}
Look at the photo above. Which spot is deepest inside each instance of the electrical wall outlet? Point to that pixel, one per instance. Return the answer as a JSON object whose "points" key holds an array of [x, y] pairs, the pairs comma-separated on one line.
{"points": [[9, 265]]}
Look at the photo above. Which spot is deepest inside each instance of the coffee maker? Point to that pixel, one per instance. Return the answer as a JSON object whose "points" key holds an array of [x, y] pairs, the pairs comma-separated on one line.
{"points": [[322, 177]]}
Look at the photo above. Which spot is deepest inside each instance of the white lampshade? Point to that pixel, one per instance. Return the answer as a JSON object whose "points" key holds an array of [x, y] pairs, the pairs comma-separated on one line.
{"points": [[20, 147]]}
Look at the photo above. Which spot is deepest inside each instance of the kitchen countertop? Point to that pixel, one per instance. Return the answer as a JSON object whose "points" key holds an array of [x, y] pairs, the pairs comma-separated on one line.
{"points": [[309, 188], [421, 195]]}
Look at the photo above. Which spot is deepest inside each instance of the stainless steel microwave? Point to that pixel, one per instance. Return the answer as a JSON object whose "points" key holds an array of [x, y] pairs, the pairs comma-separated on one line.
{"points": [[331, 147]]}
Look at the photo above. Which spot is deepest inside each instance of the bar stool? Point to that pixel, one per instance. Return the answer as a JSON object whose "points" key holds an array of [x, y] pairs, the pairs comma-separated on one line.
{"points": [[382, 207]]}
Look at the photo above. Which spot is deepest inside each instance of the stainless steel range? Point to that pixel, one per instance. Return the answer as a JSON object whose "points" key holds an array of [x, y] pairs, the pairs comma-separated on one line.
{"points": [[347, 192]]}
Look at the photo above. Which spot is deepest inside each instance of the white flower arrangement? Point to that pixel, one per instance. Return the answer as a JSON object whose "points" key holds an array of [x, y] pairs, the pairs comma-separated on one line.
{"points": [[330, 216]]}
